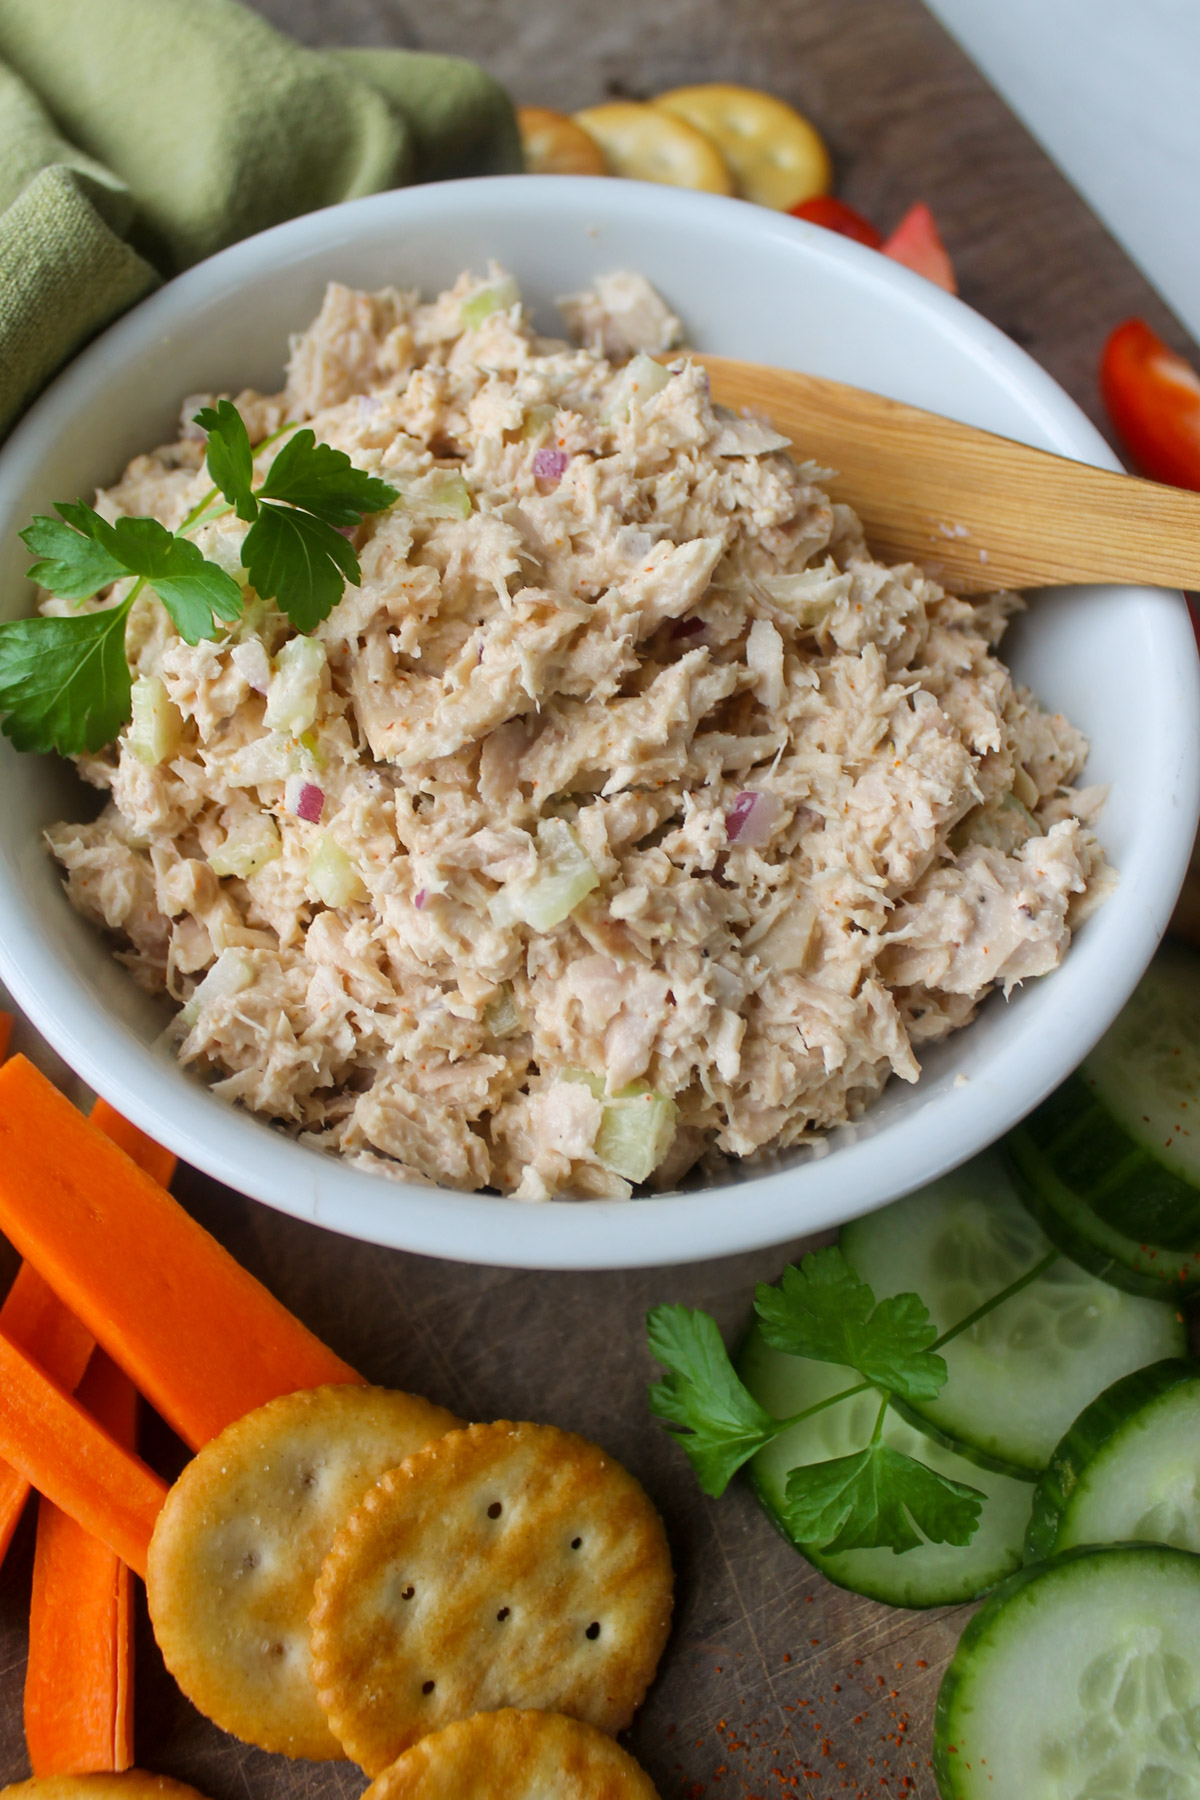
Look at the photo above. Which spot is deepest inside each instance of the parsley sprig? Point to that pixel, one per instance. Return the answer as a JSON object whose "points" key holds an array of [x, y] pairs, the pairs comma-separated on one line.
{"points": [[65, 682], [874, 1498]]}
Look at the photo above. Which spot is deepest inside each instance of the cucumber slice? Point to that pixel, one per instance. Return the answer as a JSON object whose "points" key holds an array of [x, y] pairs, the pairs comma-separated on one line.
{"points": [[1080, 1233], [1128, 1469], [1080, 1678], [1123, 1133], [934, 1574], [1020, 1375]]}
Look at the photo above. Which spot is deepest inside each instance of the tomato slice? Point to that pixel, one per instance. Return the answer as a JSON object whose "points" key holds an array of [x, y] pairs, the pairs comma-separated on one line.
{"points": [[835, 215], [917, 243], [1153, 399]]}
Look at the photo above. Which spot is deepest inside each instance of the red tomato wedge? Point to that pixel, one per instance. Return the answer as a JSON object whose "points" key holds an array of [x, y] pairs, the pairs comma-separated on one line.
{"points": [[917, 243], [1153, 399], [835, 215]]}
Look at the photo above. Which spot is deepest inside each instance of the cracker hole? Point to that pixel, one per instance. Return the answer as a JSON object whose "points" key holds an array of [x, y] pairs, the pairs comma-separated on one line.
{"points": [[593, 1630], [577, 1543], [495, 1509], [502, 1615], [427, 1687], [250, 1561], [408, 1592]]}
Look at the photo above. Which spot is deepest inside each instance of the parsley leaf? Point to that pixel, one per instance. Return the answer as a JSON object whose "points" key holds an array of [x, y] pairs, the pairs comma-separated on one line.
{"points": [[70, 561], [324, 482], [191, 589], [300, 562], [720, 1425], [823, 1310], [874, 1498], [64, 683], [229, 456]]}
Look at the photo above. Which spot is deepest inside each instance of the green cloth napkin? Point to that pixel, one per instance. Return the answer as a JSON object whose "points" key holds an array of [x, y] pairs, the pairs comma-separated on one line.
{"points": [[137, 136]]}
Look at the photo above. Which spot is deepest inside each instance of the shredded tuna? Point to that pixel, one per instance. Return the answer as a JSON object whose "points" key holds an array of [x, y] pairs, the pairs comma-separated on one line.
{"points": [[634, 773]]}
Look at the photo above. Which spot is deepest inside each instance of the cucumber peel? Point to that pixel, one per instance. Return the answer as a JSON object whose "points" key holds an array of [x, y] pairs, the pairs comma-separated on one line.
{"points": [[1124, 1262], [1080, 1676], [1128, 1470]]}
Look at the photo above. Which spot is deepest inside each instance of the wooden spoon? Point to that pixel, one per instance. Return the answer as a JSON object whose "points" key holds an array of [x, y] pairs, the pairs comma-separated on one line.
{"points": [[975, 510]]}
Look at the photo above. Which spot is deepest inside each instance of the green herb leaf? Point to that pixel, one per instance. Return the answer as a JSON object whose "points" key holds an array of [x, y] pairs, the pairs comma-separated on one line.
{"points": [[324, 482], [64, 683], [70, 561], [720, 1424], [195, 592], [229, 457], [823, 1310], [300, 562], [874, 1499]]}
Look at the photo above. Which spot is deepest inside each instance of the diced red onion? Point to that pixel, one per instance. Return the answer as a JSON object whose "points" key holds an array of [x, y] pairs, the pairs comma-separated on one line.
{"points": [[303, 799], [686, 628], [550, 465], [751, 817], [419, 899]]}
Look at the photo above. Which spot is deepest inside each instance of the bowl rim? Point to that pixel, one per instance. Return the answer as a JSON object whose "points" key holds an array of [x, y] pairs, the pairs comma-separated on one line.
{"points": [[247, 1155]]}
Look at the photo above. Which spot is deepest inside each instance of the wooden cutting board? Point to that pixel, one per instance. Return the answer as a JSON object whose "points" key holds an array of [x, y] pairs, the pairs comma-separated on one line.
{"points": [[775, 1683]]}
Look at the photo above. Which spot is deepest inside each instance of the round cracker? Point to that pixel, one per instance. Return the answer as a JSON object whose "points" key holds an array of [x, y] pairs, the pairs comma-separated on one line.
{"points": [[514, 1756], [239, 1543], [554, 144], [647, 144], [778, 158], [504, 1566], [129, 1784]]}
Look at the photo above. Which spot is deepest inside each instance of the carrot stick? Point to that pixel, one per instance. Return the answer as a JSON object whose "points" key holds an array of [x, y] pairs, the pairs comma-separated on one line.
{"points": [[194, 1331], [66, 1455], [35, 1318], [79, 1679], [158, 1163]]}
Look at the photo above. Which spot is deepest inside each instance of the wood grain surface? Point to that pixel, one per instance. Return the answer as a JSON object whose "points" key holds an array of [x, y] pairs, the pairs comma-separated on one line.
{"points": [[774, 1683]]}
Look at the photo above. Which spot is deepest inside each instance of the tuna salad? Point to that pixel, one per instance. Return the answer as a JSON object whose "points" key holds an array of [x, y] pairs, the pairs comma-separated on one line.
{"points": [[627, 817]]}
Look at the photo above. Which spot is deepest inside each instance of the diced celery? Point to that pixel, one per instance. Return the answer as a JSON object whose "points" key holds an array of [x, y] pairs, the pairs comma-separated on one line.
{"points": [[537, 419], [309, 756], [564, 876], [639, 381], [584, 1077], [232, 973], [295, 689], [442, 494], [501, 1015], [333, 876], [157, 722], [248, 849], [497, 296], [635, 1134]]}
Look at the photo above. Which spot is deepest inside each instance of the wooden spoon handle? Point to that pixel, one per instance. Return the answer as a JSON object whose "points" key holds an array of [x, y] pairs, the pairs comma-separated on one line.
{"points": [[976, 510]]}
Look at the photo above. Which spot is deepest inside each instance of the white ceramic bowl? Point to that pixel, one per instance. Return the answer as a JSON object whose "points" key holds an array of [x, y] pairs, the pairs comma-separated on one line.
{"points": [[749, 283]]}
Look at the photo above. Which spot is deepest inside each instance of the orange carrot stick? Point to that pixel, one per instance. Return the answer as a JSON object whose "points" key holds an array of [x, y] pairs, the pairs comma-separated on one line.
{"points": [[35, 1318], [194, 1331], [158, 1163], [79, 1679], [66, 1455]]}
